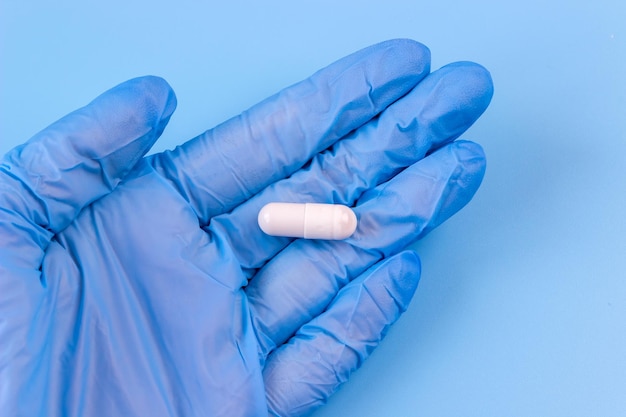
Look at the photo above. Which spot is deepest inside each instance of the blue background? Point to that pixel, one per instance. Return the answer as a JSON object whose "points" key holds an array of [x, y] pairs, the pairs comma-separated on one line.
{"points": [[522, 305]]}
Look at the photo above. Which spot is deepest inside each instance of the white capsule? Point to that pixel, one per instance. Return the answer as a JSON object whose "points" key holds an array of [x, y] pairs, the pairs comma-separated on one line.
{"points": [[309, 220]]}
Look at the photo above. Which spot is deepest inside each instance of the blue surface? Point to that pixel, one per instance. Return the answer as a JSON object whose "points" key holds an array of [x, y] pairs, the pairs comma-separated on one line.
{"points": [[522, 305]]}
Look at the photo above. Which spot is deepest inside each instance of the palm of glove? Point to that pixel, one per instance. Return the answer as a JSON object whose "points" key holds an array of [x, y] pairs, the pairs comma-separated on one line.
{"points": [[159, 295]]}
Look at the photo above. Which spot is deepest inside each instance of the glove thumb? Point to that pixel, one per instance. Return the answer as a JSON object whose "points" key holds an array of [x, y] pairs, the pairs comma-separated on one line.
{"points": [[47, 181]]}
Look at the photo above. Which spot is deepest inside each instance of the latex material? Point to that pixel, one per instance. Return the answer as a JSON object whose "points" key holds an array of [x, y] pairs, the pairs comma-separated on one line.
{"points": [[308, 220], [134, 285]]}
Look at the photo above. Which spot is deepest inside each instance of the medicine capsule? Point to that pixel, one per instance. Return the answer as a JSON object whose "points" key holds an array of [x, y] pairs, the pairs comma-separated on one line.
{"points": [[308, 220]]}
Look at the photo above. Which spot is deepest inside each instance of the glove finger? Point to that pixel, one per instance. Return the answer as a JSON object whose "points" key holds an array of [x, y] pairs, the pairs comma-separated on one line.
{"points": [[438, 110], [302, 374], [299, 282], [225, 166], [47, 181]]}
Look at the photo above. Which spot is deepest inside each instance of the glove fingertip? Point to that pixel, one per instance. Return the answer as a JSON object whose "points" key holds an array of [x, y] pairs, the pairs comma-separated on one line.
{"points": [[405, 277], [145, 102], [160, 99], [413, 53], [471, 157], [477, 82]]}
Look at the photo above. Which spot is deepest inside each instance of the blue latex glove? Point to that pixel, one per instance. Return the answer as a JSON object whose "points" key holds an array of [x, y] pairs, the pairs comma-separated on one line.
{"points": [[142, 286]]}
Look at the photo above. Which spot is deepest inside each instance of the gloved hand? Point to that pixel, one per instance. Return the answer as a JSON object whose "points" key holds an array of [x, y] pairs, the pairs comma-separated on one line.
{"points": [[143, 286]]}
